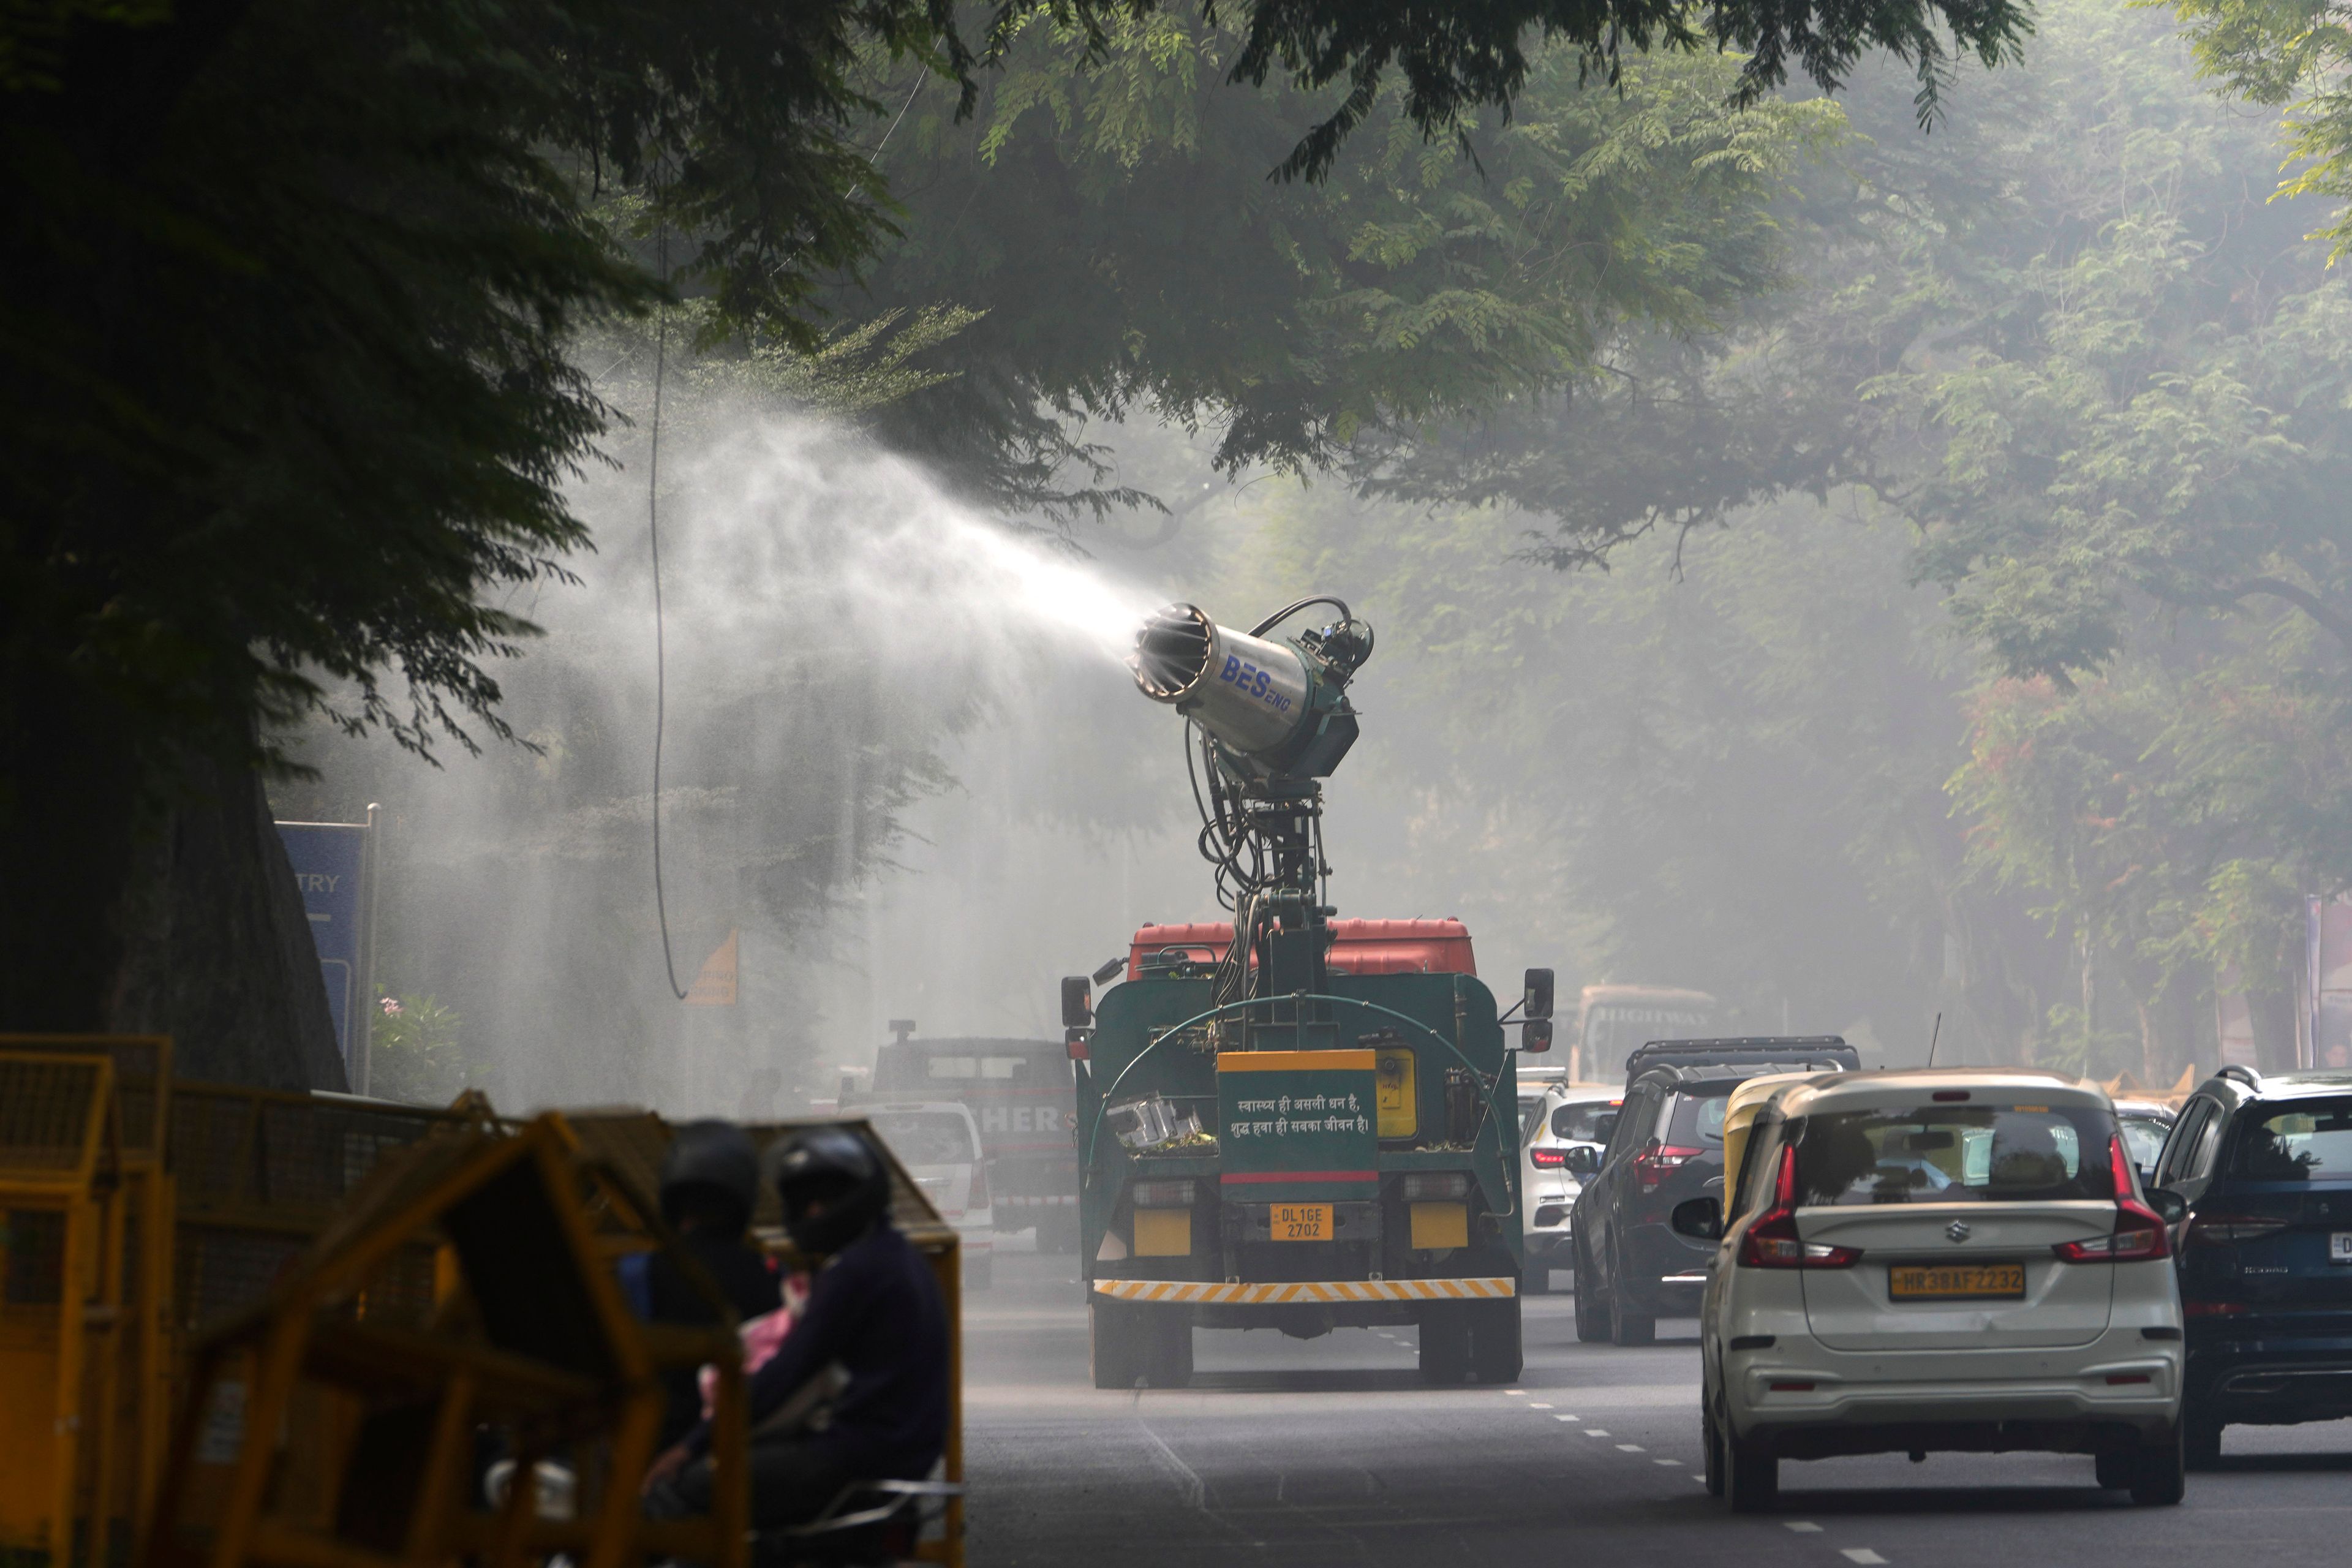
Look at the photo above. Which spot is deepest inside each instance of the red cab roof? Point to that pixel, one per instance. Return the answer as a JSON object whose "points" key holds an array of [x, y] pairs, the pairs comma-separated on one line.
{"points": [[1357, 947]]}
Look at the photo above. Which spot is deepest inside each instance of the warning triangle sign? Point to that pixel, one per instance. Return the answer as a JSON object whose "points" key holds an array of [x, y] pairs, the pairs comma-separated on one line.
{"points": [[715, 987]]}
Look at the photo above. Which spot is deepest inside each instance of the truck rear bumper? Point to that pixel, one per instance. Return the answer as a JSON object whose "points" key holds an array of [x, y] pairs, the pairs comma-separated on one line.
{"points": [[1306, 1309]]}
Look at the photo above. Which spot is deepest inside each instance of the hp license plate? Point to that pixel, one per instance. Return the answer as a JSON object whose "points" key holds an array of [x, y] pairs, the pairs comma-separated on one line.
{"points": [[2339, 1246], [1956, 1282], [1300, 1222]]}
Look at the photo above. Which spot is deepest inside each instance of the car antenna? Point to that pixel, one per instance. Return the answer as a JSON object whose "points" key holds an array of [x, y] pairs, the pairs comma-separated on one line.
{"points": [[1933, 1038]]}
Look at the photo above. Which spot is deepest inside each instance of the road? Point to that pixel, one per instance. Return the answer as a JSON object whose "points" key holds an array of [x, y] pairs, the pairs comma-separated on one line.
{"points": [[1330, 1451]]}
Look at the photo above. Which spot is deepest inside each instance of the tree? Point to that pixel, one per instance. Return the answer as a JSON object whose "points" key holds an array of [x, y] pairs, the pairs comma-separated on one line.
{"points": [[2291, 52], [289, 398]]}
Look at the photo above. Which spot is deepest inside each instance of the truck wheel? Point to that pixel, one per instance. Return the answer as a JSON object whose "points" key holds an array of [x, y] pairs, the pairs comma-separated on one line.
{"points": [[1167, 1349], [1627, 1328], [2159, 1480], [1445, 1348], [1495, 1345], [1591, 1311], [1751, 1476], [1110, 1344]]}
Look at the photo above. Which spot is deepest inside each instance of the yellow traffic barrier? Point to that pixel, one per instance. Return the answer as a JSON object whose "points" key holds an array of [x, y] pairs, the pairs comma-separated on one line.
{"points": [[318, 1434], [62, 1311]]}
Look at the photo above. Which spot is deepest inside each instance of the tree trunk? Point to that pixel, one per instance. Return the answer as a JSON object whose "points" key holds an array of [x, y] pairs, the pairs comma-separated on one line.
{"points": [[124, 915]]}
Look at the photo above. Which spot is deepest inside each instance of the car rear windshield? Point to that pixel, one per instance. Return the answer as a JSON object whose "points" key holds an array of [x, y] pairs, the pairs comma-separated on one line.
{"points": [[2310, 1141], [2144, 1138], [1697, 1120], [926, 1137], [1587, 1124], [1955, 1155]]}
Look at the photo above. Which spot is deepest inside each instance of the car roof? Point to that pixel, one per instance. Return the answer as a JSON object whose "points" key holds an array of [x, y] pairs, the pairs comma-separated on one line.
{"points": [[1882, 1086], [2252, 1085], [1723, 1075], [2147, 1107], [1583, 1093]]}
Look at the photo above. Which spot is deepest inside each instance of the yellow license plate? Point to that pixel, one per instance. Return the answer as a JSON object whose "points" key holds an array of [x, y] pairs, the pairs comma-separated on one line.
{"points": [[1955, 1282], [1301, 1222]]}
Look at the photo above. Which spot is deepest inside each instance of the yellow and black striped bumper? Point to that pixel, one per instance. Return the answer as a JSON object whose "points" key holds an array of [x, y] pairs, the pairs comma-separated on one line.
{"points": [[1201, 1292]]}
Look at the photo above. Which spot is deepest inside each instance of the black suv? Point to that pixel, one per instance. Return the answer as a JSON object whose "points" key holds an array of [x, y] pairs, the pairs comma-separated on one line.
{"points": [[2264, 1166]]}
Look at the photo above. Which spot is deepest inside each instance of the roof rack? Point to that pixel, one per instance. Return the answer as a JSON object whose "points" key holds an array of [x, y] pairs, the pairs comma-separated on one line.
{"points": [[1797, 1051], [2242, 1072]]}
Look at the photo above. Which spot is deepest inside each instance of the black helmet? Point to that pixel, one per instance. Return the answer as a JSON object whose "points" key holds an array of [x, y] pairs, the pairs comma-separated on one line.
{"points": [[711, 1175], [833, 1186]]}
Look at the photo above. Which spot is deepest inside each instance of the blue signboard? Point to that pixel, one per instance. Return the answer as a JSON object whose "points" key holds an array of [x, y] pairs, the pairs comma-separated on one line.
{"points": [[330, 864]]}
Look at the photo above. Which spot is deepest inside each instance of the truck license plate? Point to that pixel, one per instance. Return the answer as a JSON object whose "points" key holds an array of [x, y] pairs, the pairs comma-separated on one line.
{"points": [[1955, 1282], [1301, 1222]]}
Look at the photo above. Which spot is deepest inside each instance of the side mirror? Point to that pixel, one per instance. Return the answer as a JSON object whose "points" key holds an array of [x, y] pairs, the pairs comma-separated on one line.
{"points": [[1700, 1219], [1077, 1002], [1537, 1001], [1535, 1036], [2169, 1205], [1583, 1160]]}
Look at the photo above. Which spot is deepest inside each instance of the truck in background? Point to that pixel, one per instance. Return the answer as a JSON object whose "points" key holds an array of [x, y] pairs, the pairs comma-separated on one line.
{"points": [[1615, 1021], [1018, 1092]]}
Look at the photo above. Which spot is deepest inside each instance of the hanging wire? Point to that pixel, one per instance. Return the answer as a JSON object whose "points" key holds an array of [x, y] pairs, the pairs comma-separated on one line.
{"points": [[653, 539]]}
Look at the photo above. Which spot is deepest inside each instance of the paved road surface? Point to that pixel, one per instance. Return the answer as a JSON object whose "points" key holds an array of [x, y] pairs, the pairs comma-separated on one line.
{"points": [[1330, 1451]]}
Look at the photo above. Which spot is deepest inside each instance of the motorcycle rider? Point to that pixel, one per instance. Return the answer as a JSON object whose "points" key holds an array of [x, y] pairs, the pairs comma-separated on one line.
{"points": [[709, 1182], [874, 1312]]}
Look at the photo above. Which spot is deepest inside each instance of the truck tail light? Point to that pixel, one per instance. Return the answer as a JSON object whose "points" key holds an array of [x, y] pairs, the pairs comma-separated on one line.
{"points": [[1548, 1159], [1772, 1242], [1436, 1186], [2139, 1233], [1651, 1164]]}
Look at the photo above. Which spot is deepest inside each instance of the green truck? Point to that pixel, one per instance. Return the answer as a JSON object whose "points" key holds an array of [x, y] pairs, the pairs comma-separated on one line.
{"points": [[1287, 1121]]}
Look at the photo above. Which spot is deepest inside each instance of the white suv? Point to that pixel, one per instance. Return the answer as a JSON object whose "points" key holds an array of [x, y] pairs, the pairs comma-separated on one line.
{"points": [[939, 1142], [1938, 1259], [1564, 1117]]}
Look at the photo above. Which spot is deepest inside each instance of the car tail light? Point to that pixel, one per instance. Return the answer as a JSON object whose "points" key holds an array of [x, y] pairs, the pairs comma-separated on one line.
{"points": [[2139, 1233], [976, 1197], [2224, 1228], [1549, 1159], [1791, 1387], [1163, 1195], [1772, 1242], [1651, 1164], [1436, 1186], [2117, 1379]]}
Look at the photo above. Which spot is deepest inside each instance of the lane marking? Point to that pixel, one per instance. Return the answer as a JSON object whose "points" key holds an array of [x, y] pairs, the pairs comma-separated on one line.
{"points": [[1630, 1448], [1516, 1393], [1666, 1461], [1803, 1527], [1568, 1418], [1860, 1555], [1538, 1405], [1594, 1432]]}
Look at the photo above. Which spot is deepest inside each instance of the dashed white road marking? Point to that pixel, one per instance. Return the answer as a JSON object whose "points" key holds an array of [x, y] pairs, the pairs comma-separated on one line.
{"points": [[1594, 1432], [1517, 1393], [1630, 1448], [1860, 1555], [1538, 1405], [1803, 1526], [1666, 1461]]}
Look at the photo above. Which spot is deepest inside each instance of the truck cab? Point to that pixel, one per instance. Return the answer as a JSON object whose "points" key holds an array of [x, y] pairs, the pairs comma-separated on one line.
{"points": [[1300, 1162]]}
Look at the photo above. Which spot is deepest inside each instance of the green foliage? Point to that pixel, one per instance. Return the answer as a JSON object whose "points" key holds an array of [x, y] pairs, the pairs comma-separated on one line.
{"points": [[2292, 52], [419, 1054]]}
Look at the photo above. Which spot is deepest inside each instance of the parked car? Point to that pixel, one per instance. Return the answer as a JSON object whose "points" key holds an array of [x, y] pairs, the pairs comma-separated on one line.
{"points": [[1020, 1096], [1666, 1145], [939, 1142], [2263, 1166], [1938, 1260], [1565, 1116]]}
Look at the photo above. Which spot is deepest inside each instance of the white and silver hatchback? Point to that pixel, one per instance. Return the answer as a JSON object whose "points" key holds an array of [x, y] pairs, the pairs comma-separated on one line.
{"points": [[1938, 1259]]}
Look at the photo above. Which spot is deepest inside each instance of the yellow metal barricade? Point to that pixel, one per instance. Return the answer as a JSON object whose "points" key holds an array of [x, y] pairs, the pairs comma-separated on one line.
{"points": [[61, 1307]]}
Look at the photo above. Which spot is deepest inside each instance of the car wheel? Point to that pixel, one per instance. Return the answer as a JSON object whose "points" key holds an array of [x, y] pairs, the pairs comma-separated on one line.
{"points": [[2160, 1481], [2116, 1467], [1111, 1345], [2200, 1443], [1168, 1350], [1495, 1355], [1629, 1328], [1711, 1447], [1444, 1347], [1752, 1477], [1592, 1312]]}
